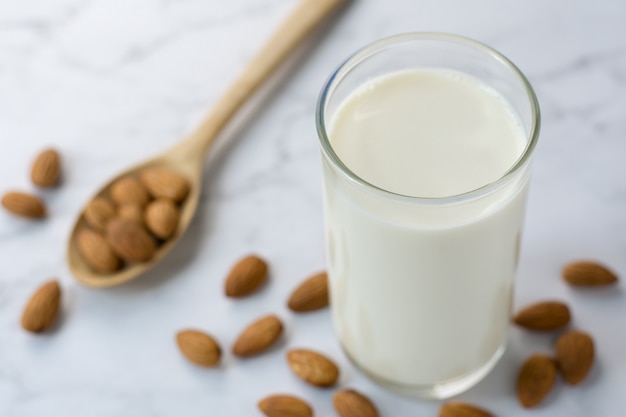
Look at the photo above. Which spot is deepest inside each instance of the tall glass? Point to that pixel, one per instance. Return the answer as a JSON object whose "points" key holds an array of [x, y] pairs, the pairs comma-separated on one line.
{"points": [[403, 312]]}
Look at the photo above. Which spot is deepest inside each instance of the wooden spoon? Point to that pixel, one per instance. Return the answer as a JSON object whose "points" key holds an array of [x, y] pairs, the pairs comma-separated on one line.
{"points": [[188, 156]]}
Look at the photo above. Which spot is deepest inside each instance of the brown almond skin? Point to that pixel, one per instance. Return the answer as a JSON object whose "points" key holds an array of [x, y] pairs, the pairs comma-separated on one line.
{"points": [[258, 336], [165, 183], [129, 190], [459, 409], [130, 241], [98, 213], [199, 348], [350, 403], [535, 380], [248, 274], [24, 205], [162, 217], [313, 367], [96, 252], [46, 169], [131, 212], [575, 353], [42, 307], [545, 315], [588, 274], [311, 295], [285, 406]]}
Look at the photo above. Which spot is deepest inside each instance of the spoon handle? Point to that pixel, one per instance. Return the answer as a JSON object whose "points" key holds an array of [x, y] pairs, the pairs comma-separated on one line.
{"points": [[303, 20]]}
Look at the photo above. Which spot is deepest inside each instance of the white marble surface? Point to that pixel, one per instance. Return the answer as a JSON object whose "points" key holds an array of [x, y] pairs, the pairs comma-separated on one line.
{"points": [[111, 81]]}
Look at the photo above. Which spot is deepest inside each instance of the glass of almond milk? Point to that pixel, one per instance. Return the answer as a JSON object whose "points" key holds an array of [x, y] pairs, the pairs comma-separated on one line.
{"points": [[427, 142]]}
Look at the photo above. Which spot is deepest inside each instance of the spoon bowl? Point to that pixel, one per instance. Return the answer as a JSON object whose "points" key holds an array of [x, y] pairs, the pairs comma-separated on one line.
{"points": [[176, 160]]}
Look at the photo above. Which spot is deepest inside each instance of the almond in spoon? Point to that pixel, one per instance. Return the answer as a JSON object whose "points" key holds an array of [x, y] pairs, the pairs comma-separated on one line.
{"points": [[162, 217], [165, 183], [97, 252], [98, 213], [129, 240], [131, 212], [129, 190]]}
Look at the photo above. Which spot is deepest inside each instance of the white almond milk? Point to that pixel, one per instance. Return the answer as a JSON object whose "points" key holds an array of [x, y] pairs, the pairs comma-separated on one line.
{"points": [[421, 293]]}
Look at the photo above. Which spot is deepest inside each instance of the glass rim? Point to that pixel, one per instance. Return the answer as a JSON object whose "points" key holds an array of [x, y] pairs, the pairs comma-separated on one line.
{"points": [[355, 59]]}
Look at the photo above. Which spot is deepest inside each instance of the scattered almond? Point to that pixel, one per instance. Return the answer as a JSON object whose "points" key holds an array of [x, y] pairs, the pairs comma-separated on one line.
{"points": [[131, 212], [350, 403], [535, 380], [313, 367], [588, 274], [46, 169], [165, 183], [285, 406], [98, 213], [97, 252], [574, 355], [459, 409], [24, 205], [546, 315], [129, 190], [199, 347], [311, 295], [246, 276], [42, 308], [258, 336], [129, 240], [162, 217]]}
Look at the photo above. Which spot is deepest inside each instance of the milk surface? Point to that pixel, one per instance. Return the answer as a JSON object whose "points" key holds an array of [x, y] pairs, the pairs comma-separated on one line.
{"points": [[421, 294]]}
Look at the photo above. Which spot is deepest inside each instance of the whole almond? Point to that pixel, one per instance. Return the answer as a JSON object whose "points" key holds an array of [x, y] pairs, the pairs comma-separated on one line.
{"points": [[535, 380], [311, 295], [285, 406], [129, 240], [258, 336], [46, 169], [574, 355], [129, 190], [98, 213], [97, 252], [459, 409], [42, 307], [546, 315], [246, 276], [588, 274], [165, 183], [24, 205], [199, 347], [350, 403], [162, 217], [131, 212], [313, 367]]}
